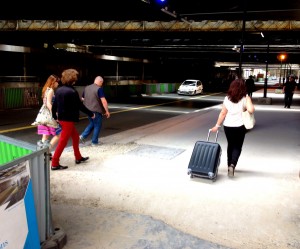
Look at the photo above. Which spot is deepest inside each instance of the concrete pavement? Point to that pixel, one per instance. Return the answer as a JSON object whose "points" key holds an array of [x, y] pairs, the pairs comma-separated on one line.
{"points": [[267, 174]]}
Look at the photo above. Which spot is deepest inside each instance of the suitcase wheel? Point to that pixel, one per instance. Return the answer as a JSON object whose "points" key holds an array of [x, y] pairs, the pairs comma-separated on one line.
{"points": [[189, 171], [211, 175]]}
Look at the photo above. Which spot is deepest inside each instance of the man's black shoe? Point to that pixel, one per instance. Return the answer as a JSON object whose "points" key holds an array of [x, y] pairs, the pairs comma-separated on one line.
{"points": [[83, 159], [58, 167]]}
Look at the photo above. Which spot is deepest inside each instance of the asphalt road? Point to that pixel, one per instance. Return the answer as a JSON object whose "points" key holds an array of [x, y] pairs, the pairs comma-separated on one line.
{"points": [[131, 113]]}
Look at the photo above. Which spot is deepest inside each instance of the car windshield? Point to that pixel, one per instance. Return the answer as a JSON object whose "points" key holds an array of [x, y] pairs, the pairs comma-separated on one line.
{"points": [[190, 83]]}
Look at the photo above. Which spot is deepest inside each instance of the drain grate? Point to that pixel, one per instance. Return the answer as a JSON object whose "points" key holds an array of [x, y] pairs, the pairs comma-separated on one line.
{"points": [[152, 151]]}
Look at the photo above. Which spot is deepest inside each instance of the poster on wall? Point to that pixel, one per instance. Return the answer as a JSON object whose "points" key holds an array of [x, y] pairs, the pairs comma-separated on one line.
{"points": [[18, 226]]}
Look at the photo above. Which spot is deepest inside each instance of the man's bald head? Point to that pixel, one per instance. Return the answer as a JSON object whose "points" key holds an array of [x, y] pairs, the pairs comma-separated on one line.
{"points": [[98, 81]]}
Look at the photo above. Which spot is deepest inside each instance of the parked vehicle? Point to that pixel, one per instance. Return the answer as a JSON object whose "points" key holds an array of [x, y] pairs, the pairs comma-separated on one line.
{"points": [[190, 87]]}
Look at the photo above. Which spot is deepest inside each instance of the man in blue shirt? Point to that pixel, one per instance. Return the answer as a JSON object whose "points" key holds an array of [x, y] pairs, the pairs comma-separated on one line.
{"points": [[94, 99]]}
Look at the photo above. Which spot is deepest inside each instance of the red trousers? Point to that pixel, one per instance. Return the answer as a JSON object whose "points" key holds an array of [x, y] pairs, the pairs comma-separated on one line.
{"points": [[68, 131]]}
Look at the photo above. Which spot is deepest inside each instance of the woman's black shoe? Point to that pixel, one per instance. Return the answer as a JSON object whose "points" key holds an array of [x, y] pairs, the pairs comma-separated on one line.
{"points": [[83, 159], [58, 167]]}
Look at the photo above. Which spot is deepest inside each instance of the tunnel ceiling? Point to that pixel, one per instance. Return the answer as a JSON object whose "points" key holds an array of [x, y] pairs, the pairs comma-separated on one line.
{"points": [[177, 30]]}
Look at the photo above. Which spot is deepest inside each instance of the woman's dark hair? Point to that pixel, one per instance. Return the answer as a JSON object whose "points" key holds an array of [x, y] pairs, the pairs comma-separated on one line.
{"points": [[237, 90]]}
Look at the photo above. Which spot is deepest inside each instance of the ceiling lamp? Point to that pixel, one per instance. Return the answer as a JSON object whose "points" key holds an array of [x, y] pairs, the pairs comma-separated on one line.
{"points": [[165, 10]]}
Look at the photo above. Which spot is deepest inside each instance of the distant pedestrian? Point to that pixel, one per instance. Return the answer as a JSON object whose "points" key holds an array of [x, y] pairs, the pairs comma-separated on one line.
{"points": [[250, 86], [234, 104], [288, 89], [94, 99], [65, 109]]}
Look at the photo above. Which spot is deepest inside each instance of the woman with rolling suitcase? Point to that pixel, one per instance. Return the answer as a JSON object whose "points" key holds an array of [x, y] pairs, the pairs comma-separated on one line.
{"points": [[233, 106]]}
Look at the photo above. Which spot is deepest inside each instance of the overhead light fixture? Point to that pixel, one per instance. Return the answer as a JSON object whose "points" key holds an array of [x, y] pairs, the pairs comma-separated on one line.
{"points": [[70, 47], [146, 1], [165, 10], [236, 48], [262, 34]]}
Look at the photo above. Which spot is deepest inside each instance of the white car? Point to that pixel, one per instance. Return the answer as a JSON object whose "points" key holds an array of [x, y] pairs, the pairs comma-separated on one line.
{"points": [[190, 87]]}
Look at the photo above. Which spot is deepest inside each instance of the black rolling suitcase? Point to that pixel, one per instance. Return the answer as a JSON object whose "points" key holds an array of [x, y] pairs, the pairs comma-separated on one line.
{"points": [[205, 159]]}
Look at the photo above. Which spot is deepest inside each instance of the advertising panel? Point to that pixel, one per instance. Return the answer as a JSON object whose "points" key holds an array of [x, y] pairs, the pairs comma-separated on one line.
{"points": [[18, 224]]}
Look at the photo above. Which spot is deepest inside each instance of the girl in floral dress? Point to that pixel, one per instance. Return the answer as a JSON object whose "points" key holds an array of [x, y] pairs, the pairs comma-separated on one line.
{"points": [[48, 98]]}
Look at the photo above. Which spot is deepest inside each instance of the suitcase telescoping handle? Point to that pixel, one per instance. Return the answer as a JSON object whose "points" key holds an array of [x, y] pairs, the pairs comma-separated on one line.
{"points": [[208, 135]]}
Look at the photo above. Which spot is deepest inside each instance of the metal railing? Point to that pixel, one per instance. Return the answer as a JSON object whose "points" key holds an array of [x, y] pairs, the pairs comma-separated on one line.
{"points": [[40, 179]]}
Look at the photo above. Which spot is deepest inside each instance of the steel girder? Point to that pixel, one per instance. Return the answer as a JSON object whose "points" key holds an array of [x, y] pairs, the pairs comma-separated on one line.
{"points": [[171, 26]]}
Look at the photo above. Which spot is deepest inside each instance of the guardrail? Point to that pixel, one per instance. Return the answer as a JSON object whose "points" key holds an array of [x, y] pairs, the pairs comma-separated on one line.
{"points": [[30, 97], [19, 155], [19, 97]]}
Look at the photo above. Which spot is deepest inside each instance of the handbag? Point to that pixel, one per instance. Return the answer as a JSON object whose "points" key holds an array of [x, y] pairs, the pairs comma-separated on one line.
{"points": [[44, 117], [248, 119]]}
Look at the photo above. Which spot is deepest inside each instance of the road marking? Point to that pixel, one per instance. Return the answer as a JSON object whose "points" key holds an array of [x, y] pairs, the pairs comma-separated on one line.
{"points": [[116, 112]]}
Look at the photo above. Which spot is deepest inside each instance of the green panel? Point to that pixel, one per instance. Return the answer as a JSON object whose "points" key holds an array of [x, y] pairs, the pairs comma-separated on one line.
{"points": [[171, 88], [162, 88], [13, 97], [10, 152], [153, 88]]}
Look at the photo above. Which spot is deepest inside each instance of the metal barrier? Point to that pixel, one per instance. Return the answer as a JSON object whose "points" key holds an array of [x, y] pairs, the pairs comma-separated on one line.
{"points": [[39, 164], [30, 97], [160, 88], [11, 98]]}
